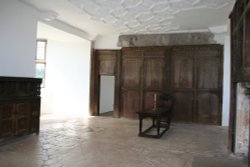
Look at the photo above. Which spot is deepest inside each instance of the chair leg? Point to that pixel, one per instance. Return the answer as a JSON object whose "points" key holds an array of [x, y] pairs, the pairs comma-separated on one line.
{"points": [[140, 125], [158, 127], [153, 121]]}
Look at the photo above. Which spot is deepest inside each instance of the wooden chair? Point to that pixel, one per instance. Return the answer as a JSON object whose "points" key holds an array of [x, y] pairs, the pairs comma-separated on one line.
{"points": [[161, 117]]}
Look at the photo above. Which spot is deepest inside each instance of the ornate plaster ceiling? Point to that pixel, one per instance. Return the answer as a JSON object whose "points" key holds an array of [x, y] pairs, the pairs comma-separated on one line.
{"points": [[138, 16]]}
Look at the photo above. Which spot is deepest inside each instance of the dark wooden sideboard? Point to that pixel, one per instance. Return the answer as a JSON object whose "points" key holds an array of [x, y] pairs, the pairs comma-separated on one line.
{"points": [[19, 106]]}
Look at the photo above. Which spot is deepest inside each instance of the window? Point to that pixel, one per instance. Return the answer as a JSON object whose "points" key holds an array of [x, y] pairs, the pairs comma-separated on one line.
{"points": [[41, 60]]}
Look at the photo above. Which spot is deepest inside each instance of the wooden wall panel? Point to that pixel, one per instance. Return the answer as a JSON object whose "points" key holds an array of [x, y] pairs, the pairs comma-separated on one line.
{"points": [[183, 71], [144, 71], [208, 108], [154, 73], [209, 72], [131, 73], [183, 107], [148, 99], [106, 62], [131, 103], [196, 70]]}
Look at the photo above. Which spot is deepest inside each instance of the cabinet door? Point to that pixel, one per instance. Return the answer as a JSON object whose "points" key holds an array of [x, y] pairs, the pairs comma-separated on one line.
{"points": [[35, 116], [22, 118], [7, 116]]}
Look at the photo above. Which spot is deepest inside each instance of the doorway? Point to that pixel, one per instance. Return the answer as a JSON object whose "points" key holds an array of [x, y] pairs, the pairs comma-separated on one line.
{"points": [[107, 90]]}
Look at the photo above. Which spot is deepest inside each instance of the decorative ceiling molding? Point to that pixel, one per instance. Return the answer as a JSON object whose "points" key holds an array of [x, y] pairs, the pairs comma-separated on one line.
{"points": [[142, 16]]}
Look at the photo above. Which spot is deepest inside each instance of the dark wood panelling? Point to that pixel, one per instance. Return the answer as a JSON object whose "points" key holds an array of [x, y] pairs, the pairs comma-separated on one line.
{"points": [[131, 82], [7, 112], [154, 70], [209, 72], [247, 40], [195, 70], [182, 71], [106, 62], [240, 60], [185, 71], [143, 71], [131, 73], [131, 100], [184, 106], [208, 108]]}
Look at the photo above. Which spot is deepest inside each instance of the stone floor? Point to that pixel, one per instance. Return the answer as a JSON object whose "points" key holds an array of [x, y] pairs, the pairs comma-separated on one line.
{"points": [[112, 142]]}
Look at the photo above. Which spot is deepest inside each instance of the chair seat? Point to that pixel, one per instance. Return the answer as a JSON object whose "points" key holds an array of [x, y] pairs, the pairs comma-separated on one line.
{"points": [[154, 113]]}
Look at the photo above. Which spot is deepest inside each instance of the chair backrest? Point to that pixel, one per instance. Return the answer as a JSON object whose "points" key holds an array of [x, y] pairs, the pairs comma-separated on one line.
{"points": [[165, 101]]}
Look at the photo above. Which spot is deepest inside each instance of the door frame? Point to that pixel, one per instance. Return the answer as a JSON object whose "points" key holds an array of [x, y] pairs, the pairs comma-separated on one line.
{"points": [[94, 104]]}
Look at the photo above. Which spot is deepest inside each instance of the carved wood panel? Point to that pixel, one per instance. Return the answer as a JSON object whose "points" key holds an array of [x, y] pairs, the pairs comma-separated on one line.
{"points": [[35, 114], [7, 112], [23, 113]]}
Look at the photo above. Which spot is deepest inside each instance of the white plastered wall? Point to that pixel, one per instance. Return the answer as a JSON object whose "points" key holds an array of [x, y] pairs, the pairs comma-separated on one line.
{"points": [[18, 25], [66, 91]]}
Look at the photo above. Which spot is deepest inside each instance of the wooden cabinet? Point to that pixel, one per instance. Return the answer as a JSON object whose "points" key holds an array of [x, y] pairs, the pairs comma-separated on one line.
{"points": [[19, 106], [197, 83]]}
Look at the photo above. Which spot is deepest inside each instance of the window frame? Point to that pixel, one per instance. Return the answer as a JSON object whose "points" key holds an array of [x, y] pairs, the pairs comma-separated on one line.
{"points": [[41, 61]]}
